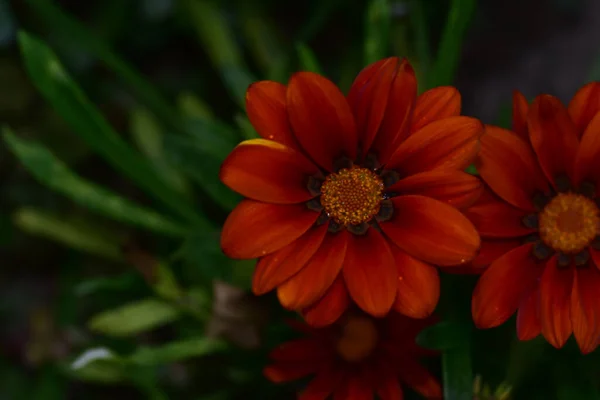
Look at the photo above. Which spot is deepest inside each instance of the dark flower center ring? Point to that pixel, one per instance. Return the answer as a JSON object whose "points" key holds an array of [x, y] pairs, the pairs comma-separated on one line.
{"points": [[569, 222], [352, 195]]}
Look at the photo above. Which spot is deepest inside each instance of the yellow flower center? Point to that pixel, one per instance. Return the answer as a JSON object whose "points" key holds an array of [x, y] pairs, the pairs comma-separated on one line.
{"points": [[352, 195], [569, 222], [358, 338]]}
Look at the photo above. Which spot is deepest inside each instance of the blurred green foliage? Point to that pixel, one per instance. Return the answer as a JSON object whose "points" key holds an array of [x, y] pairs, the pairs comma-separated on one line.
{"points": [[117, 117]]}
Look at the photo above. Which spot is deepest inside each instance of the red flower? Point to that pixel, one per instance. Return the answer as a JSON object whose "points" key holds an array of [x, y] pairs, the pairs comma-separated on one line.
{"points": [[353, 197], [540, 222], [357, 357]]}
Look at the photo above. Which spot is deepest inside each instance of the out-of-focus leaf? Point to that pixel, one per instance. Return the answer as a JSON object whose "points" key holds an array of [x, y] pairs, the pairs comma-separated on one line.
{"points": [[218, 40], [121, 283], [74, 233], [49, 385], [246, 127], [51, 172], [187, 155], [6, 230], [308, 59], [177, 351], [446, 61], [211, 137], [377, 30], [98, 365], [70, 102], [457, 373], [318, 18], [573, 383], [443, 336], [193, 107], [471, 169], [134, 318], [7, 23], [148, 137], [263, 38], [69, 27], [421, 39]]}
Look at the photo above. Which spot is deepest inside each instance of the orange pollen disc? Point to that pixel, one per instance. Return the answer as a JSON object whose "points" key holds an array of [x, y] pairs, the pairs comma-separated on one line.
{"points": [[352, 195], [358, 339], [569, 222]]}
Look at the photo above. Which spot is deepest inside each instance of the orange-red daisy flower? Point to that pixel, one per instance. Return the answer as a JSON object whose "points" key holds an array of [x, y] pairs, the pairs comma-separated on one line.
{"points": [[357, 357], [540, 223], [353, 197]]}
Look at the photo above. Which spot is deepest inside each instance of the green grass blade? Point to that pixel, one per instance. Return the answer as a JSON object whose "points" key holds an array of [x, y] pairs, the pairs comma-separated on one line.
{"points": [[218, 40], [76, 234], [446, 62], [75, 108], [308, 59], [51, 172], [377, 30], [67, 26], [422, 47]]}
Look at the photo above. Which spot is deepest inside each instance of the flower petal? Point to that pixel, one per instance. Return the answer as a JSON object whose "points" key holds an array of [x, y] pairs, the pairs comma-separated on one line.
{"points": [[431, 231], [595, 256], [388, 387], [265, 106], [321, 118], [520, 109], [358, 388], [585, 105], [368, 98], [451, 143], [255, 229], [457, 188], [585, 308], [502, 286], [418, 286], [395, 126], [274, 269], [507, 164], [553, 136], [300, 350], [323, 385], [435, 104], [330, 307], [587, 160], [420, 380], [279, 373], [494, 218], [493, 249], [528, 316], [312, 282], [369, 273], [555, 303], [268, 171]]}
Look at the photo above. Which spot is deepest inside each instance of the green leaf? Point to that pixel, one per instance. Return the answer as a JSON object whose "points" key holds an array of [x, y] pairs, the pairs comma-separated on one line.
{"points": [[75, 233], [457, 373], [218, 41], [78, 33], [471, 169], [177, 351], [50, 171], [443, 336], [189, 157], [148, 136], [246, 127], [377, 31], [446, 62], [134, 318], [420, 31], [308, 59], [166, 285], [70, 102], [193, 107], [98, 365]]}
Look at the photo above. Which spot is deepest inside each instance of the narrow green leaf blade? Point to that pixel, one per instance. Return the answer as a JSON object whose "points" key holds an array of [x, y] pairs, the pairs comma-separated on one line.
{"points": [[308, 59], [446, 62], [50, 171], [77, 234], [177, 351], [134, 318], [377, 30], [99, 365], [69, 101]]}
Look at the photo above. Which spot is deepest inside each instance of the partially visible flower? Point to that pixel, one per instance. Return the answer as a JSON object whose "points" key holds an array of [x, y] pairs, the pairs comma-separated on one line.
{"points": [[353, 197], [357, 357], [540, 221]]}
